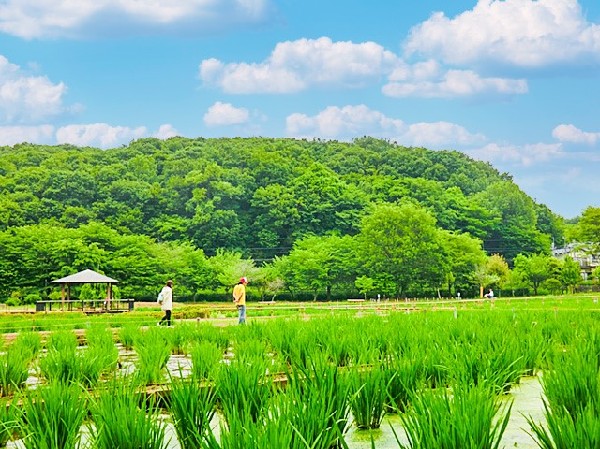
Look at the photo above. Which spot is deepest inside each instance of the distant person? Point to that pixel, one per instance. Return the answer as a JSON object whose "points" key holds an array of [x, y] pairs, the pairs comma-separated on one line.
{"points": [[165, 299], [239, 299], [490, 294]]}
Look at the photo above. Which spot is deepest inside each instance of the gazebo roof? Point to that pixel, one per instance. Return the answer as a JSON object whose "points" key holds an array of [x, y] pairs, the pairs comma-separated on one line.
{"points": [[86, 277]]}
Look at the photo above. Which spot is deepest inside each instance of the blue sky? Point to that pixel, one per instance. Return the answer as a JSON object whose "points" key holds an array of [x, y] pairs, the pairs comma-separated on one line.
{"points": [[512, 82]]}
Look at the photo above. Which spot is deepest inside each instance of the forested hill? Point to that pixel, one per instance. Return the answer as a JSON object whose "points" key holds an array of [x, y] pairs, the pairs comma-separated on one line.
{"points": [[257, 195]]}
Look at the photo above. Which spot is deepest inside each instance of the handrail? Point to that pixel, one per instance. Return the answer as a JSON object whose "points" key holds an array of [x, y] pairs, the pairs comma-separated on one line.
{"points": [[84, 305]]}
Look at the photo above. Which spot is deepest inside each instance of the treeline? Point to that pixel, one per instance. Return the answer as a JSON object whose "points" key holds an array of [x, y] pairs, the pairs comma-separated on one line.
{"points": [[254, 198]]}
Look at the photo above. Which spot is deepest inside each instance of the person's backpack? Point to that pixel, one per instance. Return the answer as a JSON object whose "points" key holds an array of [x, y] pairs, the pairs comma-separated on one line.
{"points": [[160, 298]]}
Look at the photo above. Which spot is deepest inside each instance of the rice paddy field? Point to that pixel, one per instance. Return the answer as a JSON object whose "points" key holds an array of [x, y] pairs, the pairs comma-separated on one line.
{"points": [[507, 373]]}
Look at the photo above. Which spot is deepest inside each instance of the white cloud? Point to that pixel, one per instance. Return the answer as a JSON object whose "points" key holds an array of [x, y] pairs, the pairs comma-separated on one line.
{"points": [[27, 99], [454, 83], [572, 134], [166, 131], [11, 135], [529, 33], [296, 65], [525, 155], [100, 135], [41, 18], [345, 122], [222, 114], [353, 121], [439, 134]]}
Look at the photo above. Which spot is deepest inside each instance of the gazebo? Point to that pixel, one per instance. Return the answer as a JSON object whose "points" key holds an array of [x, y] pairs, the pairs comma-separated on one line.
{"points": [[85, 277]]}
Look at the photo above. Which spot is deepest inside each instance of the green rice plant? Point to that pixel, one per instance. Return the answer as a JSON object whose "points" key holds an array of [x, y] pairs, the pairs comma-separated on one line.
{"points": [[179, 338], [51, 416], [206, 357], [293, 340], [563, 431], [123, 418], [573, 381], [14, 369], [242, 387], [128, 334], [404, 375], [368, 392], [468, 417], [192, 406], [8, 420], [319, 403], [69, 365], [28, 343], [273, 430], [153, 350], [101, 346], [97, 335], [481, 362], [62, 339]]}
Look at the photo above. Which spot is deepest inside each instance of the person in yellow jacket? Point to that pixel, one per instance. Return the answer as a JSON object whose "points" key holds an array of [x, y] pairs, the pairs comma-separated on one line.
{"points": [[239, 299]]}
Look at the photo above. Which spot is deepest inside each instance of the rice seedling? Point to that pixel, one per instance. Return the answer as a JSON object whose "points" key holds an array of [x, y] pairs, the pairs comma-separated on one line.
{"points": [[563, 431], [573, 381], [128, 334], [572, 404], [28, 343], [368, 392], [51, 416], [70, 365], [273, 430], [122, 418], [242, 387], [153, 350], [192, 406], [8, 421], [206, 357], [404, 375], [319, 403], [14, 369], [179, 338], [468, 417], [62, 339]]}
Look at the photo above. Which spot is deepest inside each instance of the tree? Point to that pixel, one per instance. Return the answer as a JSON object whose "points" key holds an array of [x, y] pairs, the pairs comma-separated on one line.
{"points": [[588, 228], [465, 254], [317, 264], [570, 273], [533, 268], [402, 241], [493, 272]]}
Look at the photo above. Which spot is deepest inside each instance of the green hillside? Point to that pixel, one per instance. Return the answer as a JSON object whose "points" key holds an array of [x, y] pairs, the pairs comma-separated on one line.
{"points": [[255, 196]]}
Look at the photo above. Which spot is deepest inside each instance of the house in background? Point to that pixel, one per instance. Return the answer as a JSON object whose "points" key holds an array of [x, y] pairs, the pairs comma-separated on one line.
{"points": [[582, 254]]}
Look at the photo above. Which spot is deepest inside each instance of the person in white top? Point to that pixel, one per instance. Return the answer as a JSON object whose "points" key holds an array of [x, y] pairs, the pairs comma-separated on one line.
{"points": [[490, 294], [165, 299]]}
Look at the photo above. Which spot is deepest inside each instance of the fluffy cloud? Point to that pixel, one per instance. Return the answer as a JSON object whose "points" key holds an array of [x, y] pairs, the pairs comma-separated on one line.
{"points": [[572, 134], [352, 121], [100, 135], [27, 99], [296, 65], [454, 83], [528, 33], [525, 155], [41, 18], [220, 114], [166, 131], [11, 135]]}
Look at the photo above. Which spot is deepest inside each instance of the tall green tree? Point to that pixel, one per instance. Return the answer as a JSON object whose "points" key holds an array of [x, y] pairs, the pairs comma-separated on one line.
{"points": [[403, 242]]}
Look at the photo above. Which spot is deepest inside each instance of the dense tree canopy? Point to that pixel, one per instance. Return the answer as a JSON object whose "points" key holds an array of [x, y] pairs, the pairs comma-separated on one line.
{"points": [[155, 202]]}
